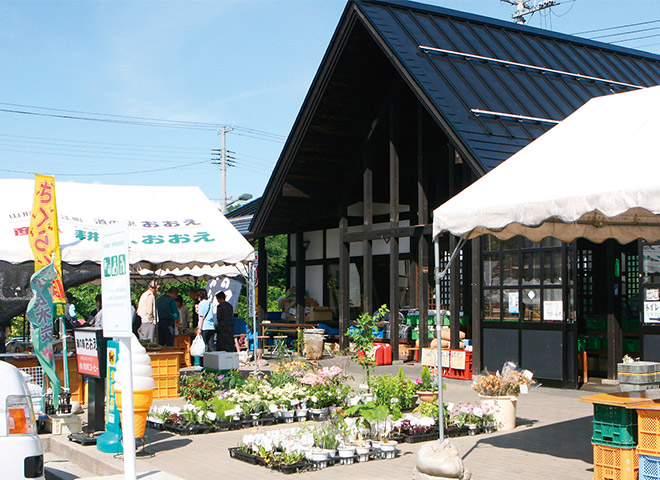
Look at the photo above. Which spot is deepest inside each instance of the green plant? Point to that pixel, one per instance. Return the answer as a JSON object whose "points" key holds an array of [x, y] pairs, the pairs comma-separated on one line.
{"points": [[199, 386], [230, 380], [395, 393], [427, 382], [220, 406], [363, 336]]}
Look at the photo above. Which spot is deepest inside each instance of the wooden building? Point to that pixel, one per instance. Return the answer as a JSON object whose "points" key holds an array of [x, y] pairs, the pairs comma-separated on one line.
{"points": [[411, 104]]}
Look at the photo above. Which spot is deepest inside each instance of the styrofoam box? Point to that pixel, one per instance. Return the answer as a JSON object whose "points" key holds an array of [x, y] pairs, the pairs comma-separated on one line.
{"points": [[220, 360]]}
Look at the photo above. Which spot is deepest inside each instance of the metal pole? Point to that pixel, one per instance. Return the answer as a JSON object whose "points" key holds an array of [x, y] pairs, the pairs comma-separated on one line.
{"points": [[128, 408], [65, 359], [223, 168], [438, 323]]}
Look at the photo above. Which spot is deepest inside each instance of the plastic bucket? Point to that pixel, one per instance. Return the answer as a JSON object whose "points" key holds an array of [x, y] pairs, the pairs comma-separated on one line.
{"points": [[313, 343], [504, 409]]}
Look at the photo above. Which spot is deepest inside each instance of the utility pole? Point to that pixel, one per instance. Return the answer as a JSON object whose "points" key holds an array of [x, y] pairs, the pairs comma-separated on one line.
{"points": [[523, 8], [223, 165]]}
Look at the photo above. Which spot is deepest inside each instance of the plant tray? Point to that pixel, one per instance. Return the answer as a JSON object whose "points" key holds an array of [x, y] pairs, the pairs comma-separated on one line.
{"points": [[235, 452], [421, 437], [156, 425], [187, 429], [295, 468]]}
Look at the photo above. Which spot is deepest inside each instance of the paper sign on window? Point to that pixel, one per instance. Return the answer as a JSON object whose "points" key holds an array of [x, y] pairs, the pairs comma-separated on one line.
{"points": [[651, 312], [458, 360], [513, 302], [553, 310]]}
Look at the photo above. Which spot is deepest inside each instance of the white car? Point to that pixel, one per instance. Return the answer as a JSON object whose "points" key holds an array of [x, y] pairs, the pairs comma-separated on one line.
{"points": [[21, 452]]}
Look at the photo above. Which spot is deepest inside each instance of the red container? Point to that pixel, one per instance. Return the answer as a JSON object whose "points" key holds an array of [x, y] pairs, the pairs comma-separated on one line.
{"points": [[383, 353], [460, 374]]}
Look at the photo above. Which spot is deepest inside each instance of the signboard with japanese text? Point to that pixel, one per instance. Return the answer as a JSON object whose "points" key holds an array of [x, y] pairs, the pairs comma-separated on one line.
{"points": [[87, 352], [168, 226], [553, 310], [116, 282], [651, 312]]}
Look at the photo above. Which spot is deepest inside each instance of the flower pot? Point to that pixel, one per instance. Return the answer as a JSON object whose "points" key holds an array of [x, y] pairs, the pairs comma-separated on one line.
{"points": [[472, 428], [388, 448], [427, 397], [288, 416], [504, 410], [362, 453], [345, 452], [301, 414], [320, 455]]}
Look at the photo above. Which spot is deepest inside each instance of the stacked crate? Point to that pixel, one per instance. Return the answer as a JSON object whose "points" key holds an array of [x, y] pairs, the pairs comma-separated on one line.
{"points": [[638, 376], [648, 446], [165, 367], [614, 440]]}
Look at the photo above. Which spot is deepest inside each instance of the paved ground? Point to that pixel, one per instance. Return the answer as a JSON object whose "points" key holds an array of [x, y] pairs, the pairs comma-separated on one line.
{"points": [[552, 437]]}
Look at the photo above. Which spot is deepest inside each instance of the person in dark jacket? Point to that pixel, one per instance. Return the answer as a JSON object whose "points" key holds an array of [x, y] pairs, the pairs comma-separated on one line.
{"points": [[168, 314], [224, 327]]}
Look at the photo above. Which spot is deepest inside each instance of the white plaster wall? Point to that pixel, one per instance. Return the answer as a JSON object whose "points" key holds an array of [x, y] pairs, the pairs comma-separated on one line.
{"points": [[315, 248], [314, 281]]}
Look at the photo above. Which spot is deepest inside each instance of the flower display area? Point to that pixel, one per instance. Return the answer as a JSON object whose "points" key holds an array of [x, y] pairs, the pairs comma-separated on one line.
{"points": [[330, 422]]}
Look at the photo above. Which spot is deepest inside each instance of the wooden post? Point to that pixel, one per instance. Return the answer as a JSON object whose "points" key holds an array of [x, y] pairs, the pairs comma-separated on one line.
{"points": [[300, 278], [394, 241], [262, 281], [475, 245], [423, 243], [344, 252], [367, 244], [614, 333]]}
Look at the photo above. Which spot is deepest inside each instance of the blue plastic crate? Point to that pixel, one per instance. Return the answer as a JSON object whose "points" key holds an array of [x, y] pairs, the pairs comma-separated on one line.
{"points": [[649, 467]]}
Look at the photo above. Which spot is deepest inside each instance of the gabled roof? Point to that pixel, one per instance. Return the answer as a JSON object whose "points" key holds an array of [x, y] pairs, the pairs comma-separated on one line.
{"points": [[492, 86], [241, 217]]}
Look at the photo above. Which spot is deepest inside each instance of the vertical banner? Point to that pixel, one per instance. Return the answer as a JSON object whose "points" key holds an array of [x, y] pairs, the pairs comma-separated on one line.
{"points": [[116, 282], [44, 236], [40, 316]]}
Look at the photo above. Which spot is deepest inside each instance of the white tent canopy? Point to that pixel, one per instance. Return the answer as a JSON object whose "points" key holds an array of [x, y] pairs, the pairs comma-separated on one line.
{"points": [[595, 175], [169, 227]]}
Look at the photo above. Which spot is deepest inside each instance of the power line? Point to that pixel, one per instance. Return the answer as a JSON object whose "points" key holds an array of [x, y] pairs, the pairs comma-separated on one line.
{"points": [[614, 28], [625, 33], [111, 173], [636, 38], [20, 109]]}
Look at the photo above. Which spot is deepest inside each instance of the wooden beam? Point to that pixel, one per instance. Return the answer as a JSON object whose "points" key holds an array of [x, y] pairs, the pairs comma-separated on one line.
{"points": [[394, 241], [300, 278], [367, 245], [423, 242], [387, 233], [344, 252]]}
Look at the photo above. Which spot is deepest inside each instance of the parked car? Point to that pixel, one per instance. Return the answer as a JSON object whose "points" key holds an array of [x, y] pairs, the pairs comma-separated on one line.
{"points": [[21, 452]]}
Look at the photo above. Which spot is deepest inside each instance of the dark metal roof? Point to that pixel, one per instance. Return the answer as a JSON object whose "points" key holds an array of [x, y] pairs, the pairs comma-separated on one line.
{"points": [[249, 208], [473, 63]]}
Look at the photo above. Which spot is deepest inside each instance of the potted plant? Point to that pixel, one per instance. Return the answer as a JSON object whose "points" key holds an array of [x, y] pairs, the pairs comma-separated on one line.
{"points": [[499, 392], [363, 335], [427, 386]]}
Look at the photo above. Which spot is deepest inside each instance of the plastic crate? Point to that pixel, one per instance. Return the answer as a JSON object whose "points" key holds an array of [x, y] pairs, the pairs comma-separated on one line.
{"points": [[596, 323], [165, 364], [460, 374], [649, 468], [166, 387], [631, 345], [648, 432], [415, 333], [614, 426], [612, 463], [412, 319], [630, 324]]}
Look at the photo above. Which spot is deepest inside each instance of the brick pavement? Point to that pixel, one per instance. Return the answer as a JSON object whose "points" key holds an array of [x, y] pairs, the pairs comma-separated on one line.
{"points": [[552, 438]]}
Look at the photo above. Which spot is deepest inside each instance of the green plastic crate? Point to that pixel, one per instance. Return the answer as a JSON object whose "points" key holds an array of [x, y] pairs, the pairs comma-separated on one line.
{"points": [[614, 426], [412, 319], [415, 333], [631, 345], [630, 324], [596, 323], [594, 342]]}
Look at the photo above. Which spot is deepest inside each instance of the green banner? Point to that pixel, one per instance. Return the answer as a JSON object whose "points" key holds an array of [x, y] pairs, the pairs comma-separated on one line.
{"points": [[40, 316]]}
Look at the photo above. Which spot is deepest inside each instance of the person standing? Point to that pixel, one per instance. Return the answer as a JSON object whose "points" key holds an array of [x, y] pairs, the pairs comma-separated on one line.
{"points": [[225, 324], [147, 312], [184, 315], [168, 314], [205, 323]]}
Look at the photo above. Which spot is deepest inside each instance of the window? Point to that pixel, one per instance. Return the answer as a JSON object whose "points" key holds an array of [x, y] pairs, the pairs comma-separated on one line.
{"points": [[524, 280]]}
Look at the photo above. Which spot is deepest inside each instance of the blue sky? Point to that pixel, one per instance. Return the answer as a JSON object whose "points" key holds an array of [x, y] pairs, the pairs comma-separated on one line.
{"points": [[247, 63]]}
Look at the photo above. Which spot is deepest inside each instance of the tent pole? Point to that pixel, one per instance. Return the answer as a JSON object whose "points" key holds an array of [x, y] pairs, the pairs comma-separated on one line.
{"points": [[253, 312], [438, 323]]}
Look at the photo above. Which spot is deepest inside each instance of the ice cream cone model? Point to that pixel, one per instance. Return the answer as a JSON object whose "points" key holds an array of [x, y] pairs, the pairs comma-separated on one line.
{"points": [[143, 385]]}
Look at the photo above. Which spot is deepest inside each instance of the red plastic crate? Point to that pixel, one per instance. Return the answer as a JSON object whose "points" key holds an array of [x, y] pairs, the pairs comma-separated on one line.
{"points": [[460, 374]]}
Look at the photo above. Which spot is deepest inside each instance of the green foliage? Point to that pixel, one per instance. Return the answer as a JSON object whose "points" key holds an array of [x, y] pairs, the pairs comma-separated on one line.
{"points": [[428, 382], [199, 386], [84, 299], [363, 336], [282, 377], [230, 380], [395, 393], [220, 406]]}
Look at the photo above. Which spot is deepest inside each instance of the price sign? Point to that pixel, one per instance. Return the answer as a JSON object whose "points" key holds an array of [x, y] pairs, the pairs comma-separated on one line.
{"points": [[115, 282], [90, 352]]}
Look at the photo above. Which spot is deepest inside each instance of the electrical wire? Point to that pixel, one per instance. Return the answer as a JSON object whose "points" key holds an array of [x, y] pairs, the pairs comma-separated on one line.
{"points": [[614, 28], [625, 33], [636, 38], [110, 173]]}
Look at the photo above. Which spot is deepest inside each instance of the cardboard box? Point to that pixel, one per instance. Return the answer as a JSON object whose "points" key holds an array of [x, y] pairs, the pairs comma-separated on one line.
{"points": [[320, 314]]}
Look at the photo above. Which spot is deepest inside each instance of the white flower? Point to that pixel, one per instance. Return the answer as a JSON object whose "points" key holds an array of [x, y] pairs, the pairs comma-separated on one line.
{"points": [[394, 400], [187, 407], [211, 416], [478, 412]]}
